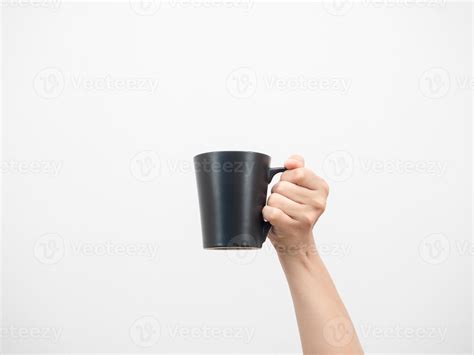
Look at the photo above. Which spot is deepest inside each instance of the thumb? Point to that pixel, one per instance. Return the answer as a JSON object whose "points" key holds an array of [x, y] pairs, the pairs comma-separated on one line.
{"points": [[294, 161]]}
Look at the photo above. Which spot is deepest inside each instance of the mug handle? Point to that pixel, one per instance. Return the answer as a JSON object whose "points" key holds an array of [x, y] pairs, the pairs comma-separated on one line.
{"points": [[271, 173]]}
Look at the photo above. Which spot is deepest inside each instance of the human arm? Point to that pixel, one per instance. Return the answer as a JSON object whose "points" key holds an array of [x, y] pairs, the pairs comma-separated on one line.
{"points": [[295, 205]]}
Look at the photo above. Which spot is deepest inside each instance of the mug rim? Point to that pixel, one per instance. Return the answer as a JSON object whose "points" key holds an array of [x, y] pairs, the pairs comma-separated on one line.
{"points": [[230, 151]]}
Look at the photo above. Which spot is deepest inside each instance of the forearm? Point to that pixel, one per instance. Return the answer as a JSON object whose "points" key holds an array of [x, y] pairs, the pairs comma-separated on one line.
{"points": [[293, 208], [324, 324]]}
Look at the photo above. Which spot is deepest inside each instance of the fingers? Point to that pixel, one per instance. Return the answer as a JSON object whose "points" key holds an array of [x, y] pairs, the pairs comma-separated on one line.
{"points": [[289, 207], [305, 178], [294, 161], [276, 217], [294, 192], [316, 199], [298, 199]]}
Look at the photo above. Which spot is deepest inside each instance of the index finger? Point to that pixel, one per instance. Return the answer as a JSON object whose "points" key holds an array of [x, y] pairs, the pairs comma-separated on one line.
{"points": [[294, 161], [306, 178]]}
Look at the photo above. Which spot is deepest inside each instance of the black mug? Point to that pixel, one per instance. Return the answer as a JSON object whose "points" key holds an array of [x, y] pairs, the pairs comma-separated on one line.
{"points": [[232, 188]]}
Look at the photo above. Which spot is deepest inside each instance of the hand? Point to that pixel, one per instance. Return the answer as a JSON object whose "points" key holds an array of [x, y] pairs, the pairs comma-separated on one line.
{"points": [[294, 206]]}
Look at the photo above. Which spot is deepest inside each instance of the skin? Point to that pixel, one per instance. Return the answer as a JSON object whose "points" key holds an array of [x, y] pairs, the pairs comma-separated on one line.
{"points": [[293, 208]]}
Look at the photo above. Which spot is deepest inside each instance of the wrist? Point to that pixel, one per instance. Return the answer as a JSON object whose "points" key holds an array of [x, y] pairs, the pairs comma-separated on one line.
{"points": [[299, 256]]}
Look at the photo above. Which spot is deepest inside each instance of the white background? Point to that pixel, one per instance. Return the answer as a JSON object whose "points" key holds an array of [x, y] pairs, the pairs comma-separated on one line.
{"points": [[101, 233]]}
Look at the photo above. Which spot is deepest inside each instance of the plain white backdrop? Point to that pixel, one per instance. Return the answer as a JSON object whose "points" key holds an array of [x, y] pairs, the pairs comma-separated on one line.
{"points": [[104, 106]]}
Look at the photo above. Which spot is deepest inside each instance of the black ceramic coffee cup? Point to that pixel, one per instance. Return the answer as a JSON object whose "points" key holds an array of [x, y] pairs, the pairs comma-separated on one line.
{"points": [[232, 188]]}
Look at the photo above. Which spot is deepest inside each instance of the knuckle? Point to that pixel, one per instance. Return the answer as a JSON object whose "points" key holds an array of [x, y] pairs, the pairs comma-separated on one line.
{"points": [[272, 213], [277, 187], [269, 213], [299, 174], [278, 215], [307, 219], [273, 199], [280, 187], [320, 204], [325, 186]]}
